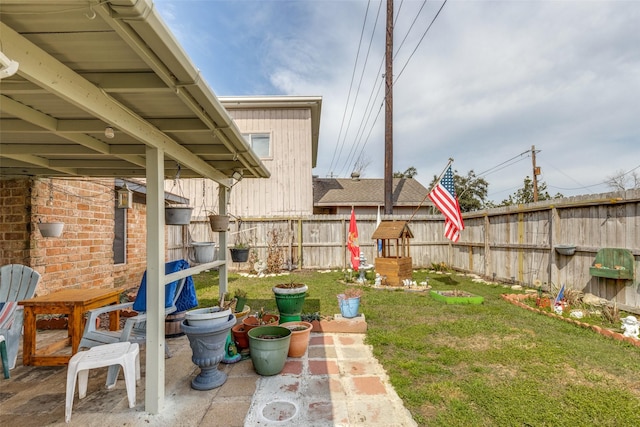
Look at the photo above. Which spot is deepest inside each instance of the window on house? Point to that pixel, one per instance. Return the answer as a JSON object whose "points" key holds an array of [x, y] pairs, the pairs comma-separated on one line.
{"points": [[120, 235], [260, 143]]}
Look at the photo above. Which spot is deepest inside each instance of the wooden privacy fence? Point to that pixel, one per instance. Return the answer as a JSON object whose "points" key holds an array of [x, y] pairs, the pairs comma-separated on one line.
{"points": [[515, 243]]}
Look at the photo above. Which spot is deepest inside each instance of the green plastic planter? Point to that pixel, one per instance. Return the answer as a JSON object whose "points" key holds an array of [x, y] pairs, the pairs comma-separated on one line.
{"points": [[449, 297], [269, 346], [290, 300]]}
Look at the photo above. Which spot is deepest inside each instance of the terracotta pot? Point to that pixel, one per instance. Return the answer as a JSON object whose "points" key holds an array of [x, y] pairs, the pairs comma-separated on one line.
{"points": [[543, 302], [251, 322], [240, 336], [299, 337]]}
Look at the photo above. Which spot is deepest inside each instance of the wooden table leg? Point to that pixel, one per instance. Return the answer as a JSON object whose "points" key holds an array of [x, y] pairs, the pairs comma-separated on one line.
{"points": [[29, 341], [76, 327], [114, 320]]}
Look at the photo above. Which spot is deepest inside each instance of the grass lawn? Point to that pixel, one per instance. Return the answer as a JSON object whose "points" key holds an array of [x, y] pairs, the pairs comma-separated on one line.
{"points": [[493, 364]]}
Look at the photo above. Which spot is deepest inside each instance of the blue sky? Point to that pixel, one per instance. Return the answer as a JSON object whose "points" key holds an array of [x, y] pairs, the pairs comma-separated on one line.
{"points": [[489, 80]]}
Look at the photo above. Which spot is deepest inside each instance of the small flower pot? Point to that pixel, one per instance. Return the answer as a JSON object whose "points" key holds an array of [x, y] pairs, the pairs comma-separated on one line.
{"points": [[348, 306], [300, 333], [566, 250], [219, 223], [251, 322], [240, 336]]}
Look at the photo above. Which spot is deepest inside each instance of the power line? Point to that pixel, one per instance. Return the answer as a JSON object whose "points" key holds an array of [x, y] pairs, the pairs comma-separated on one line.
{"points": [[420, 41], [353, 73], [351, 150], [408, 59]]}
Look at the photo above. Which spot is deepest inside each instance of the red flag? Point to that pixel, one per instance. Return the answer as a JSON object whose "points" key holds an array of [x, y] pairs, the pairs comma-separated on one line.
{"points": [[443, 196], [352, 241]]}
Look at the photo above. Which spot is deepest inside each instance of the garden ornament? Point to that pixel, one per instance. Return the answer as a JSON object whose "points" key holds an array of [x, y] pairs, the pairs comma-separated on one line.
{"points": [[630, 326], [363, 268], [378, 281]]}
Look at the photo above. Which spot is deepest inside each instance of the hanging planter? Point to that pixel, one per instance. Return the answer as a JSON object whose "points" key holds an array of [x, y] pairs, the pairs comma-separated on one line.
{"points": [[219, 223], [239, 254], [203, 252], [174, 215], [50, 229]]}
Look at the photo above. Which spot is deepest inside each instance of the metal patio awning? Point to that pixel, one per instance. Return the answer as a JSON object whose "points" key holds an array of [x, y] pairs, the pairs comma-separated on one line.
{"points": [[84, 66], [69, 70]]}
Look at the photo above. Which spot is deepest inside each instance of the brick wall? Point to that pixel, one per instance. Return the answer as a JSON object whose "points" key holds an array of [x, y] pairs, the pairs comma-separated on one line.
{"points": [[15, 221], [82, 257]]}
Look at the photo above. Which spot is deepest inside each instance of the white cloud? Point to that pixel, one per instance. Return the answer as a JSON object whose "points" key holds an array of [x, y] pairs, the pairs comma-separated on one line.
{"points": [[489, 80]]}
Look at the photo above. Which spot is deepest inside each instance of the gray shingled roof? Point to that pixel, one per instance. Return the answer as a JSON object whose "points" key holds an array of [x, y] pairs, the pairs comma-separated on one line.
{"points": [[367, 192]]}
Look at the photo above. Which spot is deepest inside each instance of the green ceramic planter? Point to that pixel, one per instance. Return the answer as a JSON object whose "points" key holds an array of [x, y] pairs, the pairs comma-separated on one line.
{"points": [[269, 346], [290, 300], [456, 297]]}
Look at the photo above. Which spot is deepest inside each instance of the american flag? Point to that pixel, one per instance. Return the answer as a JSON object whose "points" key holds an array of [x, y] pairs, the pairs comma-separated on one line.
{"points": [[444, 197]]}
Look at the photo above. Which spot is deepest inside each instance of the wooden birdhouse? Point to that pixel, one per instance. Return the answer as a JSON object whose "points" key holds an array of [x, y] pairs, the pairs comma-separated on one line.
{"points": [[395, 262]]}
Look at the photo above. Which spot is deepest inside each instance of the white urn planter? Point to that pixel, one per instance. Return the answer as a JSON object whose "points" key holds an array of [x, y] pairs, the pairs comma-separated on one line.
{"points": [[207, 317]]}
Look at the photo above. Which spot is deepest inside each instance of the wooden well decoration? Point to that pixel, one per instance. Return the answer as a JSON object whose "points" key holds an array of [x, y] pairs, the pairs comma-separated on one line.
{"points": [[395, 262]]}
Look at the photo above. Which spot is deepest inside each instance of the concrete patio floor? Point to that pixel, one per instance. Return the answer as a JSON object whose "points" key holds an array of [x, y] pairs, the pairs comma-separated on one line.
{"points": [[337, 383]]}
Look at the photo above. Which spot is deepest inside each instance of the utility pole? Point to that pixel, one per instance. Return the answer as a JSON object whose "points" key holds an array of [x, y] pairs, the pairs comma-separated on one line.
{"points": [[388, 117], [536, 172]]}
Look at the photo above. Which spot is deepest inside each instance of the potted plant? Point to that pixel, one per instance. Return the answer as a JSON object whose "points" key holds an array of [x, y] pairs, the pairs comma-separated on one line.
{"points": [[240, 337], [261, 318], [349, 302], [219, 223], [290, 299], [207, 342], [269, 346], [241, 299], [300, 333], [239, 252]]}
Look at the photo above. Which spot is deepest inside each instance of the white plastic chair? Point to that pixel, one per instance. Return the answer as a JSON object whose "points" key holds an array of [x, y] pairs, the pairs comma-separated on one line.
{"points": [[116, 355], [135, 328]]}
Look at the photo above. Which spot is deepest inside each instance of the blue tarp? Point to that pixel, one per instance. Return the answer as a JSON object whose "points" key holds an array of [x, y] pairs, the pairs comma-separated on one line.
{"points": [[187, 298]]}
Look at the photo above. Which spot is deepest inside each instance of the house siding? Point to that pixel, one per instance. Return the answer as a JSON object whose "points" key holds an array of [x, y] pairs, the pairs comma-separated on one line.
{"points": [[289, 189]]}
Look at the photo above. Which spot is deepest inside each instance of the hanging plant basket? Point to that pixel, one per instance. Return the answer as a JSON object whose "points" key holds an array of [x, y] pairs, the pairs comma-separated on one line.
{"points": [[50, 229], [219, 223], [174, 215], [203, 252], [239, 254]]}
